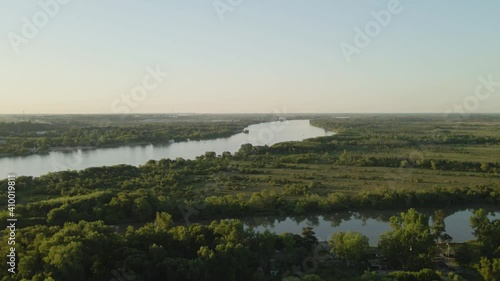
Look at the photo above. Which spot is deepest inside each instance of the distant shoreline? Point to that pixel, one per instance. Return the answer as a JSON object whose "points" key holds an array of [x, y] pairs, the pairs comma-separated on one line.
{"points": [[75, 148]]}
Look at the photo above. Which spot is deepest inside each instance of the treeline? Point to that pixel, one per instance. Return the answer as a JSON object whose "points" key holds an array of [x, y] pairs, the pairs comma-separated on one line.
{"points": [[221, 250], [329, 150], [225, 250], [376, 141], [409, 162], [126, 193], [21, 138]]}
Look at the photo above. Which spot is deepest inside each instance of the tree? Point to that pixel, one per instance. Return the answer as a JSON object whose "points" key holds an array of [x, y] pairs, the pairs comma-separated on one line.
{"points": [[142, 208], [433, 165], [410, 242], [263, 246], [309, 237], [489, 269], [226, 155], [463, 255], [291, 278], [245, 150], [438, 225], [487, 232], [287, 244], [311, 277], [210, 155], [479, 221], [80, 251], [351, 247], [422, 275], [68, 259], [485, 167], [163, 221], [370, 276]]}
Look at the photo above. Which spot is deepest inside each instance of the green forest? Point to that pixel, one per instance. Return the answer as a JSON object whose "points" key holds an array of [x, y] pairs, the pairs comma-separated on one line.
{"points": [[182, 218]]}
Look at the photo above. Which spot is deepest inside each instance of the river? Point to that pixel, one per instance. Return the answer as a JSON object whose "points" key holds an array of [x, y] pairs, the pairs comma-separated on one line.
{"points": [[259, 134]]}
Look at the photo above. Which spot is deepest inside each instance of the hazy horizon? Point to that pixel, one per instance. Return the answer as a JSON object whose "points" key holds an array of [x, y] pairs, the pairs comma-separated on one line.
{"points": [[256, 113], [171, 57]]}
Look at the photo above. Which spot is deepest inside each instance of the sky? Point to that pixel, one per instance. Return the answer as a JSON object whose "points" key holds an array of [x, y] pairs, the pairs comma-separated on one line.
{"points": [[249, 56]]}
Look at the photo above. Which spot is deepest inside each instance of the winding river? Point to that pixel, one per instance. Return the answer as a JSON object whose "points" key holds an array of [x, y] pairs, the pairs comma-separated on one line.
{"points": [[259, 134]]}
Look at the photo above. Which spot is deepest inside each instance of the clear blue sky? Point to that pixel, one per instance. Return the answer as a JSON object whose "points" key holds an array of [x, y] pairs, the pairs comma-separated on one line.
{"points": [[264, 55]]}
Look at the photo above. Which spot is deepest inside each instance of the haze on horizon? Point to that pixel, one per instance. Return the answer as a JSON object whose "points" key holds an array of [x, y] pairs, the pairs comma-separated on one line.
{"points": [[255, 57]]}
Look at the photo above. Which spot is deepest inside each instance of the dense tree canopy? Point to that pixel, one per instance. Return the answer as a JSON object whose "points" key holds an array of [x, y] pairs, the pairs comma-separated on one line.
{"points": [[410, 242], [350, 247]]}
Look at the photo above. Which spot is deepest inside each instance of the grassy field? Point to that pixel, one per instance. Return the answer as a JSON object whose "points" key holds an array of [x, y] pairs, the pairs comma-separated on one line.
{"points": [[348, 179], [338, 163]]}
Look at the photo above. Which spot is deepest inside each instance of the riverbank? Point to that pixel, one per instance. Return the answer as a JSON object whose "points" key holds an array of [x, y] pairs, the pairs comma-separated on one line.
{"points": [[64, 133], [138, 153], [103, 146]]}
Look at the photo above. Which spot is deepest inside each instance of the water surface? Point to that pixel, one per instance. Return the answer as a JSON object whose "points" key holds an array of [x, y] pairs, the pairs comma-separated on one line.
{"points": [[370, 224], [259, 134]]}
